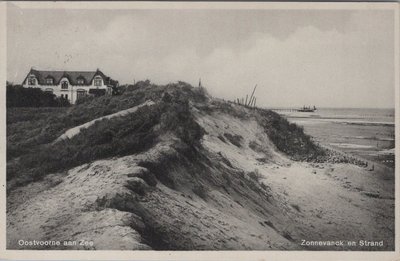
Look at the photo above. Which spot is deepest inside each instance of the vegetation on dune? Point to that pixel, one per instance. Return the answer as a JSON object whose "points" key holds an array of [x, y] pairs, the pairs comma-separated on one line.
{"points": [[198, 178], [234, 139], [118, 136], [289, 137], [31, 153], [18, 96], [31, 127], [28, 128]]}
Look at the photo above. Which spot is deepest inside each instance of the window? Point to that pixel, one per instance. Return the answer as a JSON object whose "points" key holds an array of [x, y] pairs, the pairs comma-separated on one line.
{"points": [[80, 81], [32, 81], [50, 90], [64, 85], [98, 81], [66, 96], [80, 94], [49, 81]]}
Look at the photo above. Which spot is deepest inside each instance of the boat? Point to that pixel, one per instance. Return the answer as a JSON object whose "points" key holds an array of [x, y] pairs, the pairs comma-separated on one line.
{"points": [[307, 109]]}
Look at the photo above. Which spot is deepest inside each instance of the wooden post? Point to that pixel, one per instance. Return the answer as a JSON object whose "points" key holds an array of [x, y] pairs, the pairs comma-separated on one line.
{"points": [[251, 102], [251, 97]]}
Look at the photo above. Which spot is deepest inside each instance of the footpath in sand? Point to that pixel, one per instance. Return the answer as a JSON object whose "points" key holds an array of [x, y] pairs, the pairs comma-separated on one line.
{"points": [[70, 133]]}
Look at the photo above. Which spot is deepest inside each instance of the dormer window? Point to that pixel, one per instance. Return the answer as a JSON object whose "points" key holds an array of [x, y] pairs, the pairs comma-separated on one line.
{"points": [[64, 85], [81, 81], [32, 80], [98, 81], [49, 81]]}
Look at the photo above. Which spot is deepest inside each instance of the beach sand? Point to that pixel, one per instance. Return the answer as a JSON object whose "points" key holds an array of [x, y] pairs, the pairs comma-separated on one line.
{"points": [[332, 201], [307, 202]]}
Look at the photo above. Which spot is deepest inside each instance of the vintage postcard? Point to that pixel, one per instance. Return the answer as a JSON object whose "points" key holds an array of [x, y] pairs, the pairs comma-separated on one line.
{"points": [[199, 131]]}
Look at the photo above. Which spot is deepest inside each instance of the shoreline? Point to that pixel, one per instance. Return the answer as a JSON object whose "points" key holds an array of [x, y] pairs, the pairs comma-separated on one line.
{"points": [[339, 121], [370, 141]]}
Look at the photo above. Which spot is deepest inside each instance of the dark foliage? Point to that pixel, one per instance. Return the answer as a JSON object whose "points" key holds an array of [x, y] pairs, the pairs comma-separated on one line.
{"points": [[118, 136], [255, 175], [31, 153], [234, 139], [18, 96], [28, 128], [289, 137], [200, 191], [97, 92]]}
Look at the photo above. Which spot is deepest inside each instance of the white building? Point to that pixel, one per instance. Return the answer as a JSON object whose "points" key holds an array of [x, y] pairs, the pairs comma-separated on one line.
{"points": [[71, 85]]}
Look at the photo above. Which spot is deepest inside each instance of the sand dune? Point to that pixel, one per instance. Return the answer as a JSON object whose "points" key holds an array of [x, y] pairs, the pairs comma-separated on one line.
{"points": [[173, 196]]}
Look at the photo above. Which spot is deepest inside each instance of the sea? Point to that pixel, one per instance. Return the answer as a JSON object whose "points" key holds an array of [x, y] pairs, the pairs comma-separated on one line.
{"points": [[368, 133]]}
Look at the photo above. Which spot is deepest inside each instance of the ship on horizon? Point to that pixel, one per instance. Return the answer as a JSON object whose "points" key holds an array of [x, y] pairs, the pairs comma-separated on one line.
{"points": [[307, 109]]}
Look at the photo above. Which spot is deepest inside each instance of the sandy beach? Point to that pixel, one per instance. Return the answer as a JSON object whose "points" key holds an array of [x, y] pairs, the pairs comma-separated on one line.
{"points": [[366, 133]]}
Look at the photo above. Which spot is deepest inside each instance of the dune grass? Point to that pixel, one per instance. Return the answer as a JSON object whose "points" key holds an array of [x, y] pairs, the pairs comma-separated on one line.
{"points": [[32, 154], [118, 136], [289, 137]]}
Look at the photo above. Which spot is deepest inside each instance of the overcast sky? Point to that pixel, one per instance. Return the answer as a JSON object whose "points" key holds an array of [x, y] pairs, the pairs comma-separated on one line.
{"points": [[337, 58]]}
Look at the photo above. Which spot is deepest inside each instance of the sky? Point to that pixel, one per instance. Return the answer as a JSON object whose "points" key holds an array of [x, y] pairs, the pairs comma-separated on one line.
{"points": [[326, 58]]}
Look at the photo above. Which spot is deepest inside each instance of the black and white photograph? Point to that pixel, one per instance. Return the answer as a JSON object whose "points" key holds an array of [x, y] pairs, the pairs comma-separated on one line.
{"points": [[200, 126]]}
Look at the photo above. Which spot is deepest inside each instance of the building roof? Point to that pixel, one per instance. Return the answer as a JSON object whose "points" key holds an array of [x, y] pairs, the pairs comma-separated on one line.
{"points": [[72, 77]]}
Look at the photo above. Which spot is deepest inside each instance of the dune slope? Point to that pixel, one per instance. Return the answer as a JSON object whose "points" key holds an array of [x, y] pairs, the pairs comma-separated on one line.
{"points": [[210, 179]]}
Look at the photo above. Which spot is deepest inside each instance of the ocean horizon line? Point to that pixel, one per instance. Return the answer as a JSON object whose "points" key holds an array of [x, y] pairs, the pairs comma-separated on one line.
{"points": [[344, 108]]}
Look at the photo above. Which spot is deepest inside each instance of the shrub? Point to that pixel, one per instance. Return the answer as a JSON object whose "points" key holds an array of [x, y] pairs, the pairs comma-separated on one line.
{"points": [[85, 99], [255, 146], [227, 178], [221, 138], [28, 128], [296, 207], [289, 138], [200, 191], [18, 96], [287, 235], [255, 175], [234, 139]]}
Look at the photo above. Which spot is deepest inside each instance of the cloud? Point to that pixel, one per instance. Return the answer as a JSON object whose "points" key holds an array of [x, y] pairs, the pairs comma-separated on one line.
{"points": [[346, 63], [325, 68]]}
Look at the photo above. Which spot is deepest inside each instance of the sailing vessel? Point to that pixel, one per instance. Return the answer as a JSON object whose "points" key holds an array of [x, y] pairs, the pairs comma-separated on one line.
{"points": [[307, 109]]}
